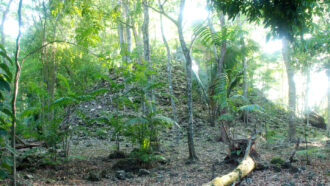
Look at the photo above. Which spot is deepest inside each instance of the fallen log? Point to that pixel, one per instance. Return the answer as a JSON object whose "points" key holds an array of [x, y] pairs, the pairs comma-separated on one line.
{"points": [[243, 169], [26, 146]]}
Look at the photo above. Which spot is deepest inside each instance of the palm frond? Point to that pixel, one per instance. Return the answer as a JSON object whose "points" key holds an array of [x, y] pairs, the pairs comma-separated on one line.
{"points": [[165, 119], [135, 121]]}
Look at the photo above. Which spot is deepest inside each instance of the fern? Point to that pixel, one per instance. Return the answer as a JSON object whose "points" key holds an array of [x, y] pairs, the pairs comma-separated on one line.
{"points": [[251, 108]]}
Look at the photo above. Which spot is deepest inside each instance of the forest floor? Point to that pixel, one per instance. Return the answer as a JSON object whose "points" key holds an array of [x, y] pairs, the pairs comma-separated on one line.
{"points": [[89, 162]]}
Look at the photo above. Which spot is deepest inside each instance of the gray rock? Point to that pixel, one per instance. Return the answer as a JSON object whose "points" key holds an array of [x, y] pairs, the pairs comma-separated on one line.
{"points": [[310, 175], [94, 176], [129, 175], [121, 175], [28, 176], [291, 183], [200, 170], [173, 174], [143, 172], [160, 178]]}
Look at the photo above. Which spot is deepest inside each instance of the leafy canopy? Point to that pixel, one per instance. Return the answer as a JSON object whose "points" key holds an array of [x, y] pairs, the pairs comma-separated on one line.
{"points": [[285, 18]]}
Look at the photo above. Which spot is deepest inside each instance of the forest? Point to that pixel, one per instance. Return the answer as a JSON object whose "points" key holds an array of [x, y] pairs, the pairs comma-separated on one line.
{"points": [[165, 92]]}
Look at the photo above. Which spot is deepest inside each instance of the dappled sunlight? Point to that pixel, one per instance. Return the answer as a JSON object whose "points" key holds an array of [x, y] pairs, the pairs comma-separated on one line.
{"points": [[195, 67], [272, 46]]}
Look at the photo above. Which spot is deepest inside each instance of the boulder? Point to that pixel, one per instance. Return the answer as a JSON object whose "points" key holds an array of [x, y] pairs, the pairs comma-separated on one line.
{"points": [[316, 120]]}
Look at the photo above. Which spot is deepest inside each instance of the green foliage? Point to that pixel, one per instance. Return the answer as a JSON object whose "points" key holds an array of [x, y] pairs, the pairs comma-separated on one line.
{"points": [[251, 108], [141, 129], [146, 156], [284, 18], [6, 116]]}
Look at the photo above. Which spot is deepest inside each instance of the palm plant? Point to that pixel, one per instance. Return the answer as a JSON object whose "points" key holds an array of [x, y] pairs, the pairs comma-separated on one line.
{"points": [[143, 128]]}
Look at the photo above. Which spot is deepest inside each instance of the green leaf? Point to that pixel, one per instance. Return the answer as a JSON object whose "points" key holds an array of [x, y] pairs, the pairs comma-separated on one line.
{"points": [[251, 108], [3, 174], [3, 132], [4, 54], [135, 121], [5, 68], [4, 85], [64, 101], [99, 91]]}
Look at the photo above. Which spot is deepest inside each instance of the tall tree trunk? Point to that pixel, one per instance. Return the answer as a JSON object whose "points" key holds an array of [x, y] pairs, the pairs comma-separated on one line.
{"points": [[146, 42], [138, 43], [245, 87], [292, 88], [4, 16], [186, 52], [169, 75], [150, 95], [328, 128], [44, 78], [213, 108], [224, 44], [128, 30], [223, 129], [16, 83], [121, 36]]}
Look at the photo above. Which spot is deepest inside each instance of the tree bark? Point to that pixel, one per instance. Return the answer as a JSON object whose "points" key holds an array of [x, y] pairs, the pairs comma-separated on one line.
{"points": [[128, 30], [213, 108], [150, 94], [186, 52], [169, 75], [224, 44], [138, 43], [292, 88], [16, 86], [328, 127], [121, 36]]}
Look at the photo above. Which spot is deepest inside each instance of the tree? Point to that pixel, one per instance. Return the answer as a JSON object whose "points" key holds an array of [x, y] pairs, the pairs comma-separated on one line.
{"points": [[16, 84], [169, 74], [186, 52], [286, 19]]}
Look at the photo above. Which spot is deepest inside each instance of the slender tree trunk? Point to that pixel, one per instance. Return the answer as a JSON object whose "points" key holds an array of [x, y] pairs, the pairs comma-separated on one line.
{"points": [[138, 44], [128, 30], [328, 128], [4, 16], [146, 42], [186, 52], [121, 37], [292, 88], [213, 108], [307, 109], [16, 85], [224, 44], [223, 129], [169, 75], [150, 95], [245, 87], [44, 72]]}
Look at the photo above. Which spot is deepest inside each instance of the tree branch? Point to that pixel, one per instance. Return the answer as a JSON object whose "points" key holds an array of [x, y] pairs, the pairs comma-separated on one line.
{"points": [[56, 41], [163, 12]]}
